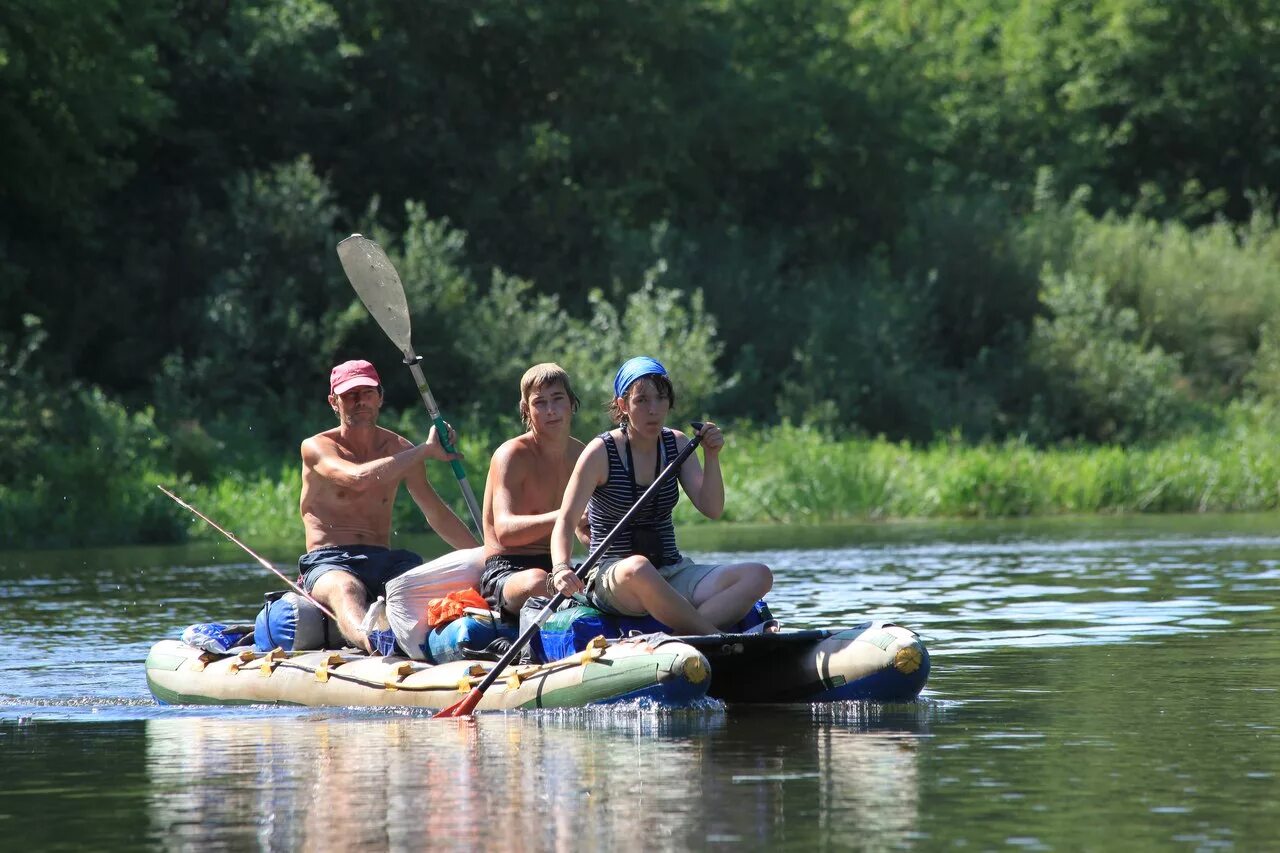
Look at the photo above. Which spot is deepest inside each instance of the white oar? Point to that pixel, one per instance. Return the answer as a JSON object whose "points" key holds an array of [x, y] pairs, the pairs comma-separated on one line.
{"points": [[378, 285]]}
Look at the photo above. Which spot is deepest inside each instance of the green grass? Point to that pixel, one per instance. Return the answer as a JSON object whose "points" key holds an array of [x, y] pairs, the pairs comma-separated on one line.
{"points": [[793, 474], [776, 475]]}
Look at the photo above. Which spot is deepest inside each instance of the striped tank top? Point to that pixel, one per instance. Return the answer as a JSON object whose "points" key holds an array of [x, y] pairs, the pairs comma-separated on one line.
{"points": [[611, 501]]}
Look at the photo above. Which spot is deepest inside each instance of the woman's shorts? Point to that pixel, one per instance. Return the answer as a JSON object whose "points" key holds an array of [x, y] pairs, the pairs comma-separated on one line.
{"points": [[684, 577]]}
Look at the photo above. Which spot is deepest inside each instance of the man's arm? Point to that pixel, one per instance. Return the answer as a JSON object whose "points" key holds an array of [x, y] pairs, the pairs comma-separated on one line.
{"points": [[321, 455], [512, 528], [443, 520]]}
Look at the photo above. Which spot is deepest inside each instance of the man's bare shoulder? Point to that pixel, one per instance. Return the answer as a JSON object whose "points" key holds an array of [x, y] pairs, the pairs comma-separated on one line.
{"points": [[514, 452], [320, 444], [391, 439], [331, 442], [327, 435]]}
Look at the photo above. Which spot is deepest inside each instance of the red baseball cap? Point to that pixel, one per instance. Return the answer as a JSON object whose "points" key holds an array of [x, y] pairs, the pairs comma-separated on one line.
{"points": [[352, 374]]}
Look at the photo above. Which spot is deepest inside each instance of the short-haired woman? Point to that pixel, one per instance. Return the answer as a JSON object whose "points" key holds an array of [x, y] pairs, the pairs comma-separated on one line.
{"points": [[643, 572]]}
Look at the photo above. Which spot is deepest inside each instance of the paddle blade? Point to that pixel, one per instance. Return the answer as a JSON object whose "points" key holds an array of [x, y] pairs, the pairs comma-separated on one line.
{"points": [[378, 285], [462, 708]]}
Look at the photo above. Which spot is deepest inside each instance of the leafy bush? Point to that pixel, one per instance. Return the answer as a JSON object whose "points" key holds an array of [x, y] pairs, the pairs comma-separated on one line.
{"points": [[79, 468], [859, 361], [1263, 379], [961, 261], [1202, 292], [1101, 382]]}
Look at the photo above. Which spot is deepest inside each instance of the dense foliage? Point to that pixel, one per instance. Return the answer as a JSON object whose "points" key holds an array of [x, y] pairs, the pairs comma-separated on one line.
{"points": [[1002, 220]]}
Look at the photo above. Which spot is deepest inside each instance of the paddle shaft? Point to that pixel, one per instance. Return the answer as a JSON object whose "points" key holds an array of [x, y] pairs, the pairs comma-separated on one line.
{"points": [[468, 703], [442, 431], [265, 563]]}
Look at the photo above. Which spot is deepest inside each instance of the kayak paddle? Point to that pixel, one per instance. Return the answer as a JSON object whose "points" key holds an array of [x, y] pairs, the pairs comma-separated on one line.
{"points": [[378, 285]]}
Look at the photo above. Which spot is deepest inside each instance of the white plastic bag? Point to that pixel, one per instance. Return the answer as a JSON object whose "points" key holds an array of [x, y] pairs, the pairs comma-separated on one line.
{"points": [[409, 594]]}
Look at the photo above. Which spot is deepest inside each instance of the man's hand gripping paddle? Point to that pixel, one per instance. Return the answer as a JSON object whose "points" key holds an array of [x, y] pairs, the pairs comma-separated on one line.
{"points": [[378, 284], [467, 704]]}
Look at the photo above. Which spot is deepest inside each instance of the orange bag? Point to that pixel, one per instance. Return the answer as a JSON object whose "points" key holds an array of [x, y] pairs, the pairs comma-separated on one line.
{"points": [[442, 611]]}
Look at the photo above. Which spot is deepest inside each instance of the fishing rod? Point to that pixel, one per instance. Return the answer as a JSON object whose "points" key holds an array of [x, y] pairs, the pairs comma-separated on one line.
{"points": [[265, 563]]}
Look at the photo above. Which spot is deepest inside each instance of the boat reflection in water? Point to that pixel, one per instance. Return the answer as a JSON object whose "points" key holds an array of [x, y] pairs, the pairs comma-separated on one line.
{"points": [[599, 777]]}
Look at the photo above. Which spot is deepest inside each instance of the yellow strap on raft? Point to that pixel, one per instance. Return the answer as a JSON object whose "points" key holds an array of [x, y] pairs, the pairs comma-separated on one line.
{"points": [[513, 679], [595, 648], [204, 660], [269, 662], [520, 673], [332, 661], [475, 674], [246, 656], [401, 672]]}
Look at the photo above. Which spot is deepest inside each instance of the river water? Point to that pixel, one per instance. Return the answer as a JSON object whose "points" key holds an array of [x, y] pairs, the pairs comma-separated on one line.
{"points": [[1097, 684]]}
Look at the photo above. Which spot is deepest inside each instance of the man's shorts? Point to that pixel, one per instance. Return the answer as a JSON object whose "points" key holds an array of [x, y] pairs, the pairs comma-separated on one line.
{"points": [[372, 565], [684, 577], [499, 567]]}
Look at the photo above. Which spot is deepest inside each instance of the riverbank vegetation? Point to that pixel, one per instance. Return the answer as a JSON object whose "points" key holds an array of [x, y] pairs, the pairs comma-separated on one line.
{"points": [[778, 474], [1002, 257]]}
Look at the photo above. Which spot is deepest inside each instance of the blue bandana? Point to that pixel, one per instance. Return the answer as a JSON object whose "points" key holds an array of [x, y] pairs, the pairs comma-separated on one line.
{"points": [[632, 369]]}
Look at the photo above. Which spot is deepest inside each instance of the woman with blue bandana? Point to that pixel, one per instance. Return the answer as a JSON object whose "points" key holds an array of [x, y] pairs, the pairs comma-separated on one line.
{"points": [[643, 572]]}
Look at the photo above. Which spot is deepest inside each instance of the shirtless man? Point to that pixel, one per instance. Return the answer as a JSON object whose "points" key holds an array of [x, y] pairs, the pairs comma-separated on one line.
{"points": [[350, 477], [522, 495]]}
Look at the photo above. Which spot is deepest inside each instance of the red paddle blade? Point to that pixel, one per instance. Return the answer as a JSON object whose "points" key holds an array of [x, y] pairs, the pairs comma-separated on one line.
{"points": [[462, 708]]}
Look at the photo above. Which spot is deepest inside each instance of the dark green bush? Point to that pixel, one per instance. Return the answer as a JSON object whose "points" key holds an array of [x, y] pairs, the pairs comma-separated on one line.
{"points": [[1102, 382], [79, 468]]}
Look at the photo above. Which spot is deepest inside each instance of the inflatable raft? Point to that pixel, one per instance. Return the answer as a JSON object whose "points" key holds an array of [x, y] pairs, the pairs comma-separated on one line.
{"points": [[877, 661], [577, 656], [665, 671], [874, 661]]}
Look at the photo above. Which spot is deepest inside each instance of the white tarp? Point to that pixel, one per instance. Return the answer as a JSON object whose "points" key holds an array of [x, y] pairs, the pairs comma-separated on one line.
{"points": [[408, 595]]}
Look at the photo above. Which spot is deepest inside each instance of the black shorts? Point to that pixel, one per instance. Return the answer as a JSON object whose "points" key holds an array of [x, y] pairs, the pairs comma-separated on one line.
{"points": [[502, 566], [372, 565]]}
